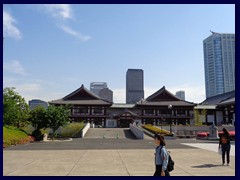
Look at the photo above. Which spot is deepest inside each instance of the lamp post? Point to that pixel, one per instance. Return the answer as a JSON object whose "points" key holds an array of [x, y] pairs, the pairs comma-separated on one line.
{"points": [[170, 108], [141, 110], [161, 122]]}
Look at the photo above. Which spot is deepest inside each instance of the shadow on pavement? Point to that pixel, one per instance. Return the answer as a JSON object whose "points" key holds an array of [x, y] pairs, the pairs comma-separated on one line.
{"points": [[206, 166]]}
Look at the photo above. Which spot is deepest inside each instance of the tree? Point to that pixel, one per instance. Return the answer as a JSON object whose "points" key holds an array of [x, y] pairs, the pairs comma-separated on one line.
{"points": [[39, 121], [15, 109], [57, 116], [38, 118], [197, 121]]}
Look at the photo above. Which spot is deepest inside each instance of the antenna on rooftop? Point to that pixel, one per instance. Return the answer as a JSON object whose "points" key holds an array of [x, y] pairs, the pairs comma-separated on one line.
{"points": [[213, 32]]}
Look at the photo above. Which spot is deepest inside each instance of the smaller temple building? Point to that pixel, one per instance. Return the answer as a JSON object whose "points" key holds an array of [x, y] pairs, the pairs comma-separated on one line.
{"points": [[220, 109]]}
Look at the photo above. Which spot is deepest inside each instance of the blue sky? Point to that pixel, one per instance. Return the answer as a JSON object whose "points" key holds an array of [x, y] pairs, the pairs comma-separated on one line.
{"points": [[50, 50]]}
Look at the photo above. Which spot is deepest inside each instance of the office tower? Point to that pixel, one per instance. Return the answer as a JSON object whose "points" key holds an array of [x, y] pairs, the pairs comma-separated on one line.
{"points": [[180, 95], [134, 86], [95, 87], [101, 90], [219, 63], [106, 94]]}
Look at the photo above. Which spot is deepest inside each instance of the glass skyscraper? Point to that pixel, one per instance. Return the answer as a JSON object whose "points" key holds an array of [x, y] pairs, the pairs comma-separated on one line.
{"points": [[219, 63]]}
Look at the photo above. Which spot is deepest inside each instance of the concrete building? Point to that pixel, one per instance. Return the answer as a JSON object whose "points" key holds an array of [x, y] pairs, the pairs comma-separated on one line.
{"points": [[219, 63], [37, 102], [106, 94], [95, 87], [100, 89], [134, 86], [180, 95]]}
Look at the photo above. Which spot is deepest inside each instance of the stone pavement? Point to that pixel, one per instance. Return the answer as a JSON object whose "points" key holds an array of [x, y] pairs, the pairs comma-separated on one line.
{"points": [[116, 162]]}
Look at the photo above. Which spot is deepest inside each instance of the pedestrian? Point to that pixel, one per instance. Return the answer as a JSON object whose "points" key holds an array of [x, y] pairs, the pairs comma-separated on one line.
{"points": [[161, 156], [225, 145]]}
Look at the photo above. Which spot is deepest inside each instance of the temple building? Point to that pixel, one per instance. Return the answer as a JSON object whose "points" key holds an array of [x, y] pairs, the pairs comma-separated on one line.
{"points": [[220, 109], [85, 106], [162, 107]]}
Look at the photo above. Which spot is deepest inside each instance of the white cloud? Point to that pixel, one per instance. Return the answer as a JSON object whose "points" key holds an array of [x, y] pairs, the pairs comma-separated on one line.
{"points": [[193, 93], [14, 67], [74, 33], [63, 11], [33, 88], [30, 88], [119, 95], [9, 29]]}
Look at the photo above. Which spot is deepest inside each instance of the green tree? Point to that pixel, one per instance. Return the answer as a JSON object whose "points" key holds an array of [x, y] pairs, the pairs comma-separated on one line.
{"points": [[15, 108], [57, 116], [197, 121], [39, 121], [38, 118], [204, 112]]}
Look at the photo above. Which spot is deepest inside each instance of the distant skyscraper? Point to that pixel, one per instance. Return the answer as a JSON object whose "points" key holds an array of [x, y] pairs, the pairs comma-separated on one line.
{"points": [[95, 87], [180, 94], [37, 102], [101, 89], [106, 94], [219, 63], [134, 86]]}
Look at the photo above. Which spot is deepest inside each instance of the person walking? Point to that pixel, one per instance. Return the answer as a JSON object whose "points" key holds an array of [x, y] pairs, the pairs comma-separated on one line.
{"points": [[225, 145], [161, 156]]}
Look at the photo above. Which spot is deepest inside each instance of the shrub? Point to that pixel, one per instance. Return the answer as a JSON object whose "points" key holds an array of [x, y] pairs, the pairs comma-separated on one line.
{"points": [[37, 134], [70, 130], [156, 130], [28, 129]]}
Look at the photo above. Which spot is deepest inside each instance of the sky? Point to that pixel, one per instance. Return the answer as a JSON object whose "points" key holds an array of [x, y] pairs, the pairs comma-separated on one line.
{"points": [[50, 50]]}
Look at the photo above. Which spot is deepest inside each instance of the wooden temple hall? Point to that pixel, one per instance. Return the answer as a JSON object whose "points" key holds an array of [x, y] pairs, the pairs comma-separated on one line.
{"points": [[162, 107]]}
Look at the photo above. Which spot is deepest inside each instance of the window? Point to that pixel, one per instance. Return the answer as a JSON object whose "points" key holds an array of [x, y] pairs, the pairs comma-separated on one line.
{"points": [[97, 111], [165, 112], [80, 110], [181, 112], [149, 112]]}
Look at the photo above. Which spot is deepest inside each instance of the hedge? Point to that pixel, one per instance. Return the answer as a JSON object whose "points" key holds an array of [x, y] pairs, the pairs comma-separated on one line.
{"points": [[156, 130]]}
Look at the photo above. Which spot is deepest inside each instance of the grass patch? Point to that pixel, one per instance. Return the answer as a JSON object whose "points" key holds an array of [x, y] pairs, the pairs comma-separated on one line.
{"points": [[156, 130], [13, 136]]}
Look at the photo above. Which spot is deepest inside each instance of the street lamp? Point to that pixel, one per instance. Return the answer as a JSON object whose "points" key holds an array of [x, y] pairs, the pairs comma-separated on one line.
{"points": [[141, 110], [170, 108], [161, 122]]}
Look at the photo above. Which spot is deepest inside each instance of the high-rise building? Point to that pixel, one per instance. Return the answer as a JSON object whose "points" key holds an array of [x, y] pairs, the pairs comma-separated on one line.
{"points": [[180, 95], [134, 86], [95, 87], [37, 102], [106, 94], [101, 90], [219, 63]]}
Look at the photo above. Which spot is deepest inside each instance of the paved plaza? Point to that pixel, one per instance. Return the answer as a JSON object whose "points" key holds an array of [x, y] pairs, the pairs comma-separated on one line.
{"points": [[192, 158]]}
